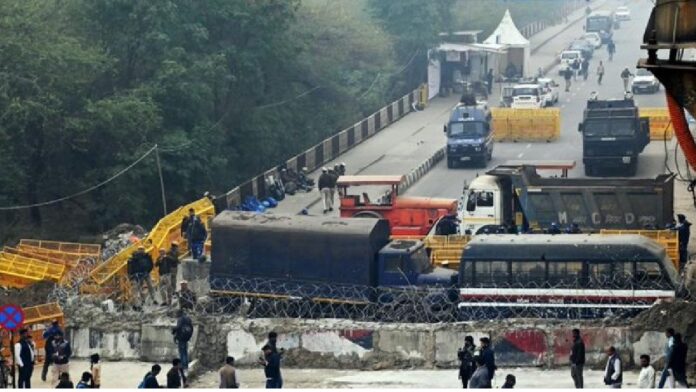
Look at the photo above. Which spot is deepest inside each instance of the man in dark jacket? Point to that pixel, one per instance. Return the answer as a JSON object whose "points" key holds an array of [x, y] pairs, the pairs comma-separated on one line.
{"points": [[196, 234], [140, 266], [684, 229], [175, 376], [467, 366], [25, 358], [613, 372], [324, 184], [182, 335], [481, 378], [488, 356], [271, 368], [150, 380], [678, 361], [61, 355], [577, 359], [166, 267], [48, 335]]}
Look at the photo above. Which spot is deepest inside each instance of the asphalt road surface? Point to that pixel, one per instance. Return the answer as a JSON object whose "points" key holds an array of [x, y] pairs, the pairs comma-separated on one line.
{"points": [[444, 182]]}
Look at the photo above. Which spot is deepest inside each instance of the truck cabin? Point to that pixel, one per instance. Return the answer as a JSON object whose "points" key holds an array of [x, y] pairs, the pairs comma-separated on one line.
{"points": [[406, 263], [372, 183], [614, 120], [601, 22], [565, 275]]}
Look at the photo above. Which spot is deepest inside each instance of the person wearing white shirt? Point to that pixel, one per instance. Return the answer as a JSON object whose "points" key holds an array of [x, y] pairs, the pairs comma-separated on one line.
{"points": [[646, 378], [613, 373], [25, 357]]}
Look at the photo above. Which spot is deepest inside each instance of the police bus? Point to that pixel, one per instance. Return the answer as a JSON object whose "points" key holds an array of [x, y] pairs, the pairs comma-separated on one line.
{"points": [[568, 275], [602, 23]]}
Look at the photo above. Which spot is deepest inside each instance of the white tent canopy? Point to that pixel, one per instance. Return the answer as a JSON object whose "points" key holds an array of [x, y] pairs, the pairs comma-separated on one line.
{"points": [[518, 46]]}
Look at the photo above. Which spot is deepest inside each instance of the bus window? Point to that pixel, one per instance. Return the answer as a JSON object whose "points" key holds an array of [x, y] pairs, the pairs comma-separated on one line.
{"points": [[649, 275], [611, 275], [466, 273], [492, 273], [565, 273], [529, 273]]}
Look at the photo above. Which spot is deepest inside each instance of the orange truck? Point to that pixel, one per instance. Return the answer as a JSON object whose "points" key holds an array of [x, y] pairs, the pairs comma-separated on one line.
{"points": [[407, 216]]}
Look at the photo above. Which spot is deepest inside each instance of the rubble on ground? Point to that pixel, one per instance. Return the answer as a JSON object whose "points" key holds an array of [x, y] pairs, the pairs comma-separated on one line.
{"points": [[119, 238], [34, 295]]}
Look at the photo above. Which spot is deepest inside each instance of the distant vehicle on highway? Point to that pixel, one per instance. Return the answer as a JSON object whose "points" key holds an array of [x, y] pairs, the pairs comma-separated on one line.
{"points": [[567, 58], [644, 81], [622, 14], [593, 38], [528, 96], [469, 136], [506, 96], [550, 89], [585, 47], [602, 23]]}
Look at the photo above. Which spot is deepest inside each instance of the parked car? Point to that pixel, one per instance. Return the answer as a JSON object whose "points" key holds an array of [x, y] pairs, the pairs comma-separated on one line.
{"points": [[644, 81], [622, 13], [593, 38], [567, 58], [585, 47], [506, 96], [528, 96], [550, 89]]}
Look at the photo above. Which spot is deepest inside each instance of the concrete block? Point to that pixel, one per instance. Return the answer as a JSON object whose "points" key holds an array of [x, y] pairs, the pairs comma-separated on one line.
{"points": [[596, 341], [328, 152], [197, 276], [447, 342], [357, 131], [109, 345], [157, 343], [520, 347], [371, 125], [242, 345], [406, 344], [651, 343], [331, 342], [310, 160], [342, 142]]}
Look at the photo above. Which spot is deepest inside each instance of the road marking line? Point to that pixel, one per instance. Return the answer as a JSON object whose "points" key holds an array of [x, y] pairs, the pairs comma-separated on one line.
{"points": [[529, 145], [520, 155]]}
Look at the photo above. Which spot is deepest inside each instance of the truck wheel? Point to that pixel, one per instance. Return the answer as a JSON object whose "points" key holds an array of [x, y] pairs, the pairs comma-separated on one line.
{"points": [[367, 214]]}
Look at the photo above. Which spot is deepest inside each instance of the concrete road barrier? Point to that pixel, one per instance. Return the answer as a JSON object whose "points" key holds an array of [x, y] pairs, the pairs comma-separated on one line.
{"points": [[661, 127], [530, 125]]}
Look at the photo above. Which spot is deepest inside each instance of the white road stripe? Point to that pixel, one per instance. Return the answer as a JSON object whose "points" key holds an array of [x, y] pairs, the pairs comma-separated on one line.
{"points": [[529, 145], [520, 155]]}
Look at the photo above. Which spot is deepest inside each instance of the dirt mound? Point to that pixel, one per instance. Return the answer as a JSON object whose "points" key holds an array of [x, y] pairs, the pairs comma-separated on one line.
{"points": [[33, 295]]}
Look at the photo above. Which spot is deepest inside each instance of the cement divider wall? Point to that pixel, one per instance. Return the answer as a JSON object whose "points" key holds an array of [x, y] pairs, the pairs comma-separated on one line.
{"points": [[335, 343]]}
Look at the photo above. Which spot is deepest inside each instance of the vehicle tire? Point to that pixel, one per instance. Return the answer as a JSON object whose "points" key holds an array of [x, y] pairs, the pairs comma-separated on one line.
{"points": [[632, 168], [368, 214], [450, 163]]}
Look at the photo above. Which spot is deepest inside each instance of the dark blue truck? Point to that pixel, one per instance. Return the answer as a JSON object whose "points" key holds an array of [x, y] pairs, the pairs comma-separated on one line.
{"points": [[322, 260], [469, 136]]}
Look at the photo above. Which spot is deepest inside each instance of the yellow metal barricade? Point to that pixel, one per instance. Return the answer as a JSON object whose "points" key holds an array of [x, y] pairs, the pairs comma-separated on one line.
{"points": [[669, 239], [531, 125], [29, 269], [446, 251], [660, 123]]}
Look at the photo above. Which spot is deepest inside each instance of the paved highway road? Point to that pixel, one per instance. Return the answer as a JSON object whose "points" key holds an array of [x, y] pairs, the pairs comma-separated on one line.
{"points": [[443, 182]]}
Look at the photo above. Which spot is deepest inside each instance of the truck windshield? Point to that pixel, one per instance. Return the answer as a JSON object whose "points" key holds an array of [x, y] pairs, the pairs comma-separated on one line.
{"points": [[598, 23], [525, 91], [570, 55], [466, 130], [613, 127]]}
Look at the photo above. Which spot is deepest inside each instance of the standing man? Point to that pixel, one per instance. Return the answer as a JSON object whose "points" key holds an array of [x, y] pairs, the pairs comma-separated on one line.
{"points": [[228, 375], [566, 76], [196, 234], [182, 335], [271, 368], [25, 357], [585, 66], [61, 355], [600, 73], [646, 378], [187, 298], [467, 366], [489, 81], [48, 335], [611, 49], [577, 359], [334, 180], [165, 267], [324, 185], [684, 229], [669, 348], [488, 356], [139, 268], [613, 372], [175, 376], [626, 77], [678, 362]]}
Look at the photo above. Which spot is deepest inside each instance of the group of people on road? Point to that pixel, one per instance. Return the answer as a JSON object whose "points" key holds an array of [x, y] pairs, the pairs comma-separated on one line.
{"points": [[673, 374], [327, 184], [477, 365], [140, 266]]}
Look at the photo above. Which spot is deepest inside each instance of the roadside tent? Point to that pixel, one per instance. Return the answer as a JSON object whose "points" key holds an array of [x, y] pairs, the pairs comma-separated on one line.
{"points": [[518, 46]]}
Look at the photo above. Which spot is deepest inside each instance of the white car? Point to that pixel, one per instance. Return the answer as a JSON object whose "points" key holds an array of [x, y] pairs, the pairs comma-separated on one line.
{"points": [[593, 38], [550, 89], [528, 96], [622, 13], [568, 57], [644, 81]]}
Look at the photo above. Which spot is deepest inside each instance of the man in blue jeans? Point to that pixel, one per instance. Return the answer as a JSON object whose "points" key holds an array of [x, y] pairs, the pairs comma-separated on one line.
{"points": [[182, 335], [193, 229], [669, 349]]}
